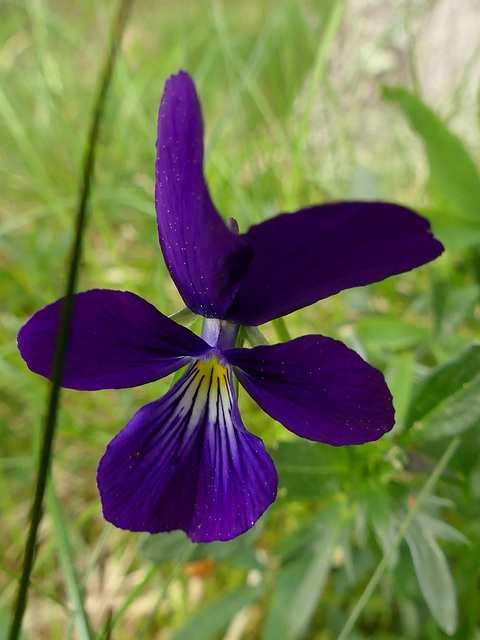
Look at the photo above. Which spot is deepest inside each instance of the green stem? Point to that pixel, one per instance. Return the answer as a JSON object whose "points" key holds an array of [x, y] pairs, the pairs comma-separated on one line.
{"points": [[50, 422], [184, 317], [374, 580], [281, 330], [254, 336]]}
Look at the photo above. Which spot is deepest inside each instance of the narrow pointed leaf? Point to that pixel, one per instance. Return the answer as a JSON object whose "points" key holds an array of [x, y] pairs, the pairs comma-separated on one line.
{"points": [[445, 379], [389, 332], [442, 530], [286, 585], [459, 412], [399, 380], [173, 545], [445, 387], [454, 177], [211, 620], [307, 597], [434, 577], [70, 576]]}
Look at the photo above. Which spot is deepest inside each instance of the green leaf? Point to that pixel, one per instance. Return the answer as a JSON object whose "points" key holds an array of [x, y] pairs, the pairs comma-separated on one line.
{"points": [[388, 332], [459, 412], [434, 577], [286, 585], [443, 381], [383, 519], [455, 232], [454, 177], [399, 379], [306, 562], [393, 546], [439, 529], [448, 400], [301, 541], [306, 469], [214, 618], [461, 304], [452, 306], [308, 594], [164, 547]]}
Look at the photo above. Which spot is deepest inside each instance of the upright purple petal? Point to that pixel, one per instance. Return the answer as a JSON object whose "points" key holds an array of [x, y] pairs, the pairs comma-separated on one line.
{"points": [[187, 462], [205, 259], [116, 340], [306, 256], [318, 388]]}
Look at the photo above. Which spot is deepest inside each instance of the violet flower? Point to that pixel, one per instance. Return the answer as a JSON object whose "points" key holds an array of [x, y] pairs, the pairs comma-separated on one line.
{"points": [[186, 461]]}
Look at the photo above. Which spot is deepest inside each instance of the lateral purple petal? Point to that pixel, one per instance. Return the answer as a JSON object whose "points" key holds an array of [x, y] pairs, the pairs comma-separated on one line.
{"points": [[318, 388], [204, 258], [187, 462], [306, 256], [116, 340]]}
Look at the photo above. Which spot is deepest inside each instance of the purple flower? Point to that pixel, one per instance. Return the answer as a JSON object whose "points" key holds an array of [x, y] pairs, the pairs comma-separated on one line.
{"points": [[186, 461]]}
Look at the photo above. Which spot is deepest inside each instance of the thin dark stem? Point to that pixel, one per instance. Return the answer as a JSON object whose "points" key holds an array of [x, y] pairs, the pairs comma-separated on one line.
{"points": [[118, 27]]}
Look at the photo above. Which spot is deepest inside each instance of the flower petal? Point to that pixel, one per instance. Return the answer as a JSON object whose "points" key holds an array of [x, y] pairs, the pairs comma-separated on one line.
{"points": [[116, 340], [306, 256], [187, 462], [204, 258], [318, 388]]}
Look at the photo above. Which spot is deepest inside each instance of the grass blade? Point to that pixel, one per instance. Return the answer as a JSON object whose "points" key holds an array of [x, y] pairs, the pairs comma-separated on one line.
{"points": [[72, 584], [81, 218]]}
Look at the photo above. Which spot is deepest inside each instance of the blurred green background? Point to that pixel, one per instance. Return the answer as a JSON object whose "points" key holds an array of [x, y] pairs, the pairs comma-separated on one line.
{"points": [[297, 112]]}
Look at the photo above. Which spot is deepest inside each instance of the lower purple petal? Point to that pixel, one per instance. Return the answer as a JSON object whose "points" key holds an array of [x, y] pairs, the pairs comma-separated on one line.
{"points": [[318, 388], [116, 340], [187, 462]]}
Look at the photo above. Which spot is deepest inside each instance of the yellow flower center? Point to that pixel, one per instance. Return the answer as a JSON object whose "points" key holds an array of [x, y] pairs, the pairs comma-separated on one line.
{"points": [[212, 375]]}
